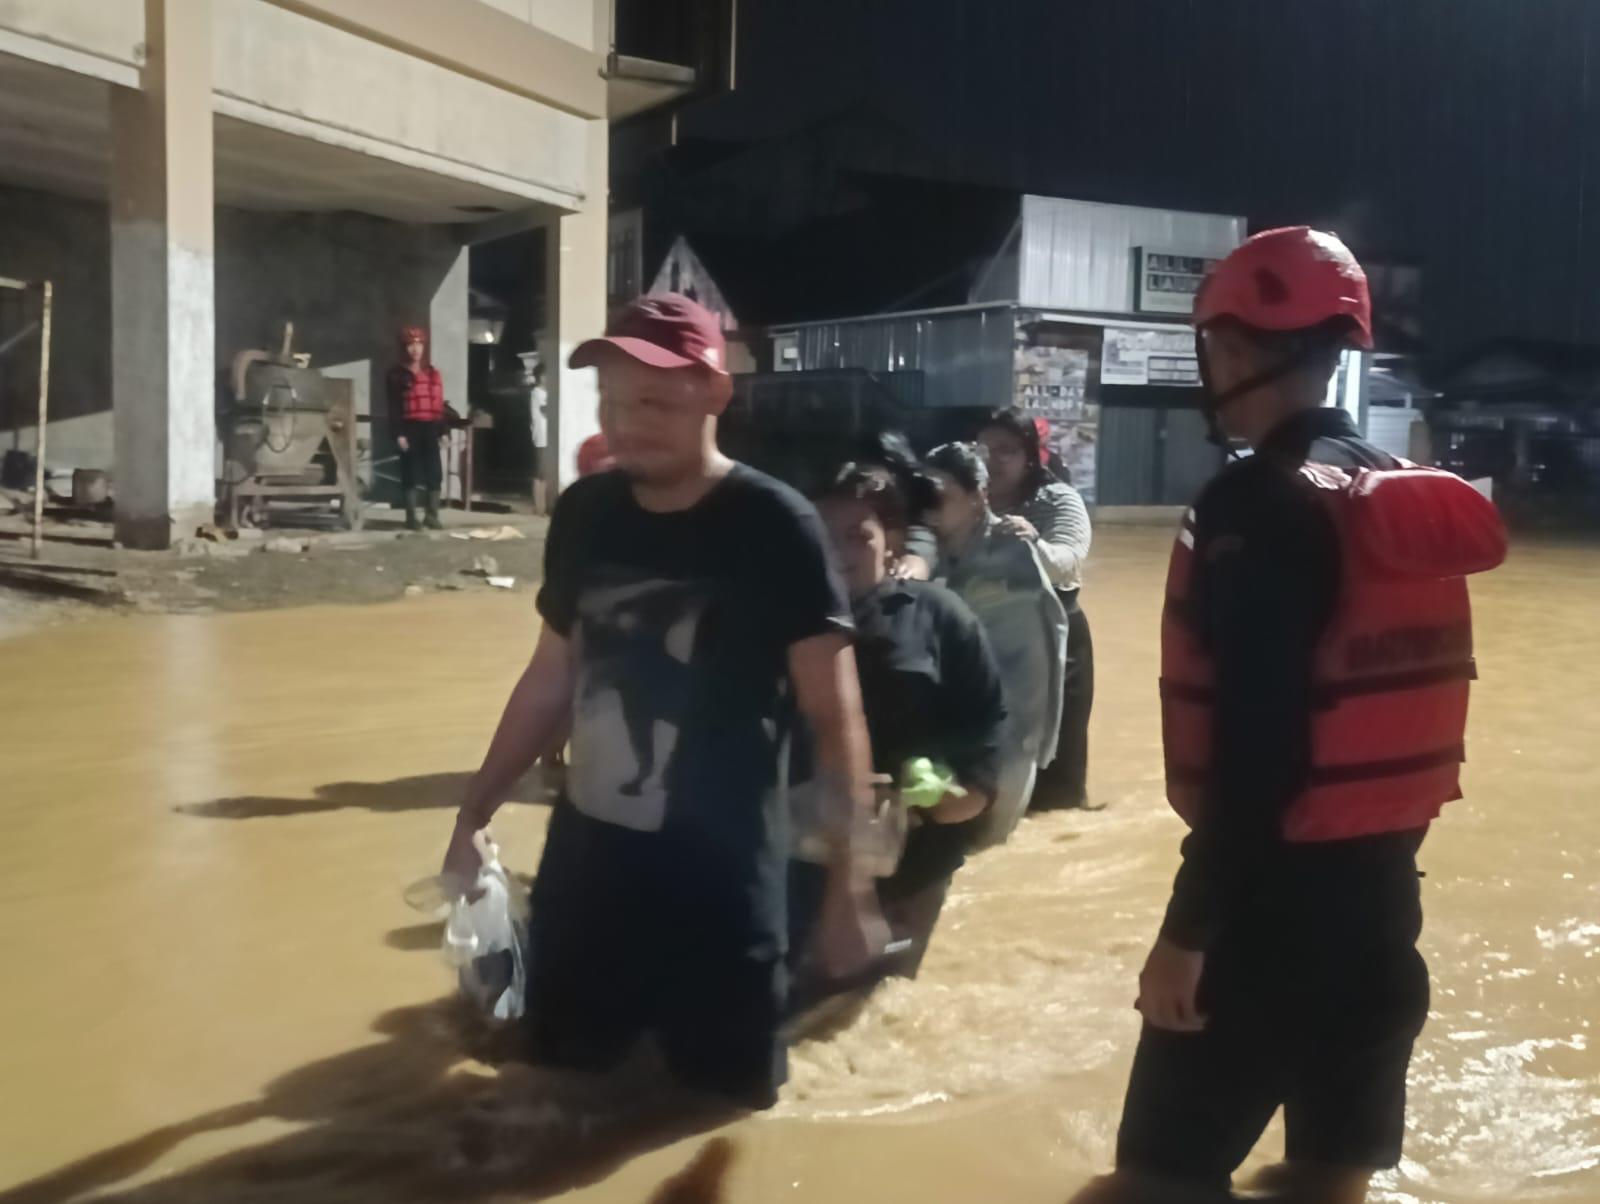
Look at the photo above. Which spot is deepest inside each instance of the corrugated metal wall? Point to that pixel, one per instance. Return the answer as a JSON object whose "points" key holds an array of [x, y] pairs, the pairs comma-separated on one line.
{"points": [[966, 353], [1126, 461], [1079, 254], [1153, 457]]}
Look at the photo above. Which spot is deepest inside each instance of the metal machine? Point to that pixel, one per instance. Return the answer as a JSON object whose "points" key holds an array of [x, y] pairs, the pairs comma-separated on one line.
{"points": [[280, 415]]}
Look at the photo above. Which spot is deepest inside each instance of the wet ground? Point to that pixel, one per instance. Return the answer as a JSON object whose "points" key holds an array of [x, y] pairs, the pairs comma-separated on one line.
{"points": [[80, 574], [215, 993]]}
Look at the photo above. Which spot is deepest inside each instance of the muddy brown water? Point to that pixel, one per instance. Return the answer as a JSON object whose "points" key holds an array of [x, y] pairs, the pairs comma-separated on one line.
{"points": [[213, 991]]}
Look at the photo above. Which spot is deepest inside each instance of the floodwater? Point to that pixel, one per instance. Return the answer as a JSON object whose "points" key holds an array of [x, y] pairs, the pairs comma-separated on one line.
{"points": [[213, 991]]}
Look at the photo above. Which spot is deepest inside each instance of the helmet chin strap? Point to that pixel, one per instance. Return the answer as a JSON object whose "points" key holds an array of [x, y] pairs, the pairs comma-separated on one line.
{"points": [[1214, 400]]}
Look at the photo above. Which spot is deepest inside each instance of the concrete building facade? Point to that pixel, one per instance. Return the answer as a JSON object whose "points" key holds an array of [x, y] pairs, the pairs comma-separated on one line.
{"points": [[194, 173]]}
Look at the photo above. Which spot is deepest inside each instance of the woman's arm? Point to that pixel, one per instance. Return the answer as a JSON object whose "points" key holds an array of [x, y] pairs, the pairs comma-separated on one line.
{"points": [[972, 711], [1061, 520]]}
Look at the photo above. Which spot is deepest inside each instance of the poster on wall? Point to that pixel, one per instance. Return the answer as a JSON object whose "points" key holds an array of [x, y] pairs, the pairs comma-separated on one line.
{"points": [[1053, 383], [1143, 356]]}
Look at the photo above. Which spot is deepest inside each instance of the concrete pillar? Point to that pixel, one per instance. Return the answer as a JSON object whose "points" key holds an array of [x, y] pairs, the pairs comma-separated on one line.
{"points": [[447, 346], [575, 288], [447, 331], [162, 282]]}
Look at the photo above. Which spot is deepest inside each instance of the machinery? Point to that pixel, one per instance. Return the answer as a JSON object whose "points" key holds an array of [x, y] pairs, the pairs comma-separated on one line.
{"points": [[280, 415]]}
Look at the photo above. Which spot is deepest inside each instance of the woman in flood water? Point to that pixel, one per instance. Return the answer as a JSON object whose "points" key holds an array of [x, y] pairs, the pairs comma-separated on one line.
{"points": [[930, 690], [1001, 577], [1050, 515]]}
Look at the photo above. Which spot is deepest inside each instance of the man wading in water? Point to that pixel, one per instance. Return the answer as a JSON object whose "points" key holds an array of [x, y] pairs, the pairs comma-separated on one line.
{"points": [[689, 610], [1309, 767]]}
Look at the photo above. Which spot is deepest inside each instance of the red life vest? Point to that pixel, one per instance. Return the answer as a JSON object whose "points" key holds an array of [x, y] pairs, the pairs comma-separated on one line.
{"points": [[1390, 674], [423, 397]]}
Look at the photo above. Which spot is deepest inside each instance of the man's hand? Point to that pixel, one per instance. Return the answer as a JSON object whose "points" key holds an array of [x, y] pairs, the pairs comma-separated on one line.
{"points": [[1018, 525], [403, 443], [1167, 987], [911, 568], [461, 859], [851, 932]]}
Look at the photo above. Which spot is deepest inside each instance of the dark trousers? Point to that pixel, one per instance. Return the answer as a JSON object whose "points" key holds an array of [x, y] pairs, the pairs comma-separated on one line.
{"points": [[1064, 782], [419, 463], [1325, 1033]]}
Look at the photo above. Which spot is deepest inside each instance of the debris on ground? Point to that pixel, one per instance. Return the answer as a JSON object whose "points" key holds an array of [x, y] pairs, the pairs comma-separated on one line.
{"points": [[193, 546], [503, 582], [213, 569], [494, 534]]}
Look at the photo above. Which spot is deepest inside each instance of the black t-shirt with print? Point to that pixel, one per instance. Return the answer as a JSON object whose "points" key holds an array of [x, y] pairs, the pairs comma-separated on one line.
{"points": [[681, 624]]}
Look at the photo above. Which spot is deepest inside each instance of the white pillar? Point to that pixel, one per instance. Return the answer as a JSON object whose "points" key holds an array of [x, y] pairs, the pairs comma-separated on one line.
{"points": [[575, 292], [162, 282], [447, 347]]}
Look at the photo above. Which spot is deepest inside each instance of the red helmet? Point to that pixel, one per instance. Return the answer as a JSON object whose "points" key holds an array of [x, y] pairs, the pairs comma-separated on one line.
{"points": [[1289, 279], [412, 334]]}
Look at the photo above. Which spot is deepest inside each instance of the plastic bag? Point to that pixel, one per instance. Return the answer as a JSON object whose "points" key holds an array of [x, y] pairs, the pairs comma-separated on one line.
{"points": [[821, 814], [485, 937], [925, 783]]}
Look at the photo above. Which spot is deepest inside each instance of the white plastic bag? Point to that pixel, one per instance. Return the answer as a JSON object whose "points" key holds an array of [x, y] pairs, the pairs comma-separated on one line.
{"points": [[485, 937]]}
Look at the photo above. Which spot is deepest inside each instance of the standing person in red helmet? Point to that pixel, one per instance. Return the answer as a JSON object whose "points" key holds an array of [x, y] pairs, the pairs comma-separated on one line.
{"points": [[417, 414], [1316, 652]]}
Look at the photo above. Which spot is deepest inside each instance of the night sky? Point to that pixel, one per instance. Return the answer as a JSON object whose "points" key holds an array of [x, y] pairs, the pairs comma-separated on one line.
{"points": [[1459, 135]]}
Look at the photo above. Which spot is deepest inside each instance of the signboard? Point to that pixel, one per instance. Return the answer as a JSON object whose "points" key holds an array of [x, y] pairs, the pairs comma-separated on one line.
{"points": [[1053, 383], [1145, 356], [1165, 282]]}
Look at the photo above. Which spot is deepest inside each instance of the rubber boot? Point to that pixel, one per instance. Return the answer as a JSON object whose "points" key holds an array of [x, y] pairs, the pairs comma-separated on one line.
{"points": [[432, 520], [413, 499]]}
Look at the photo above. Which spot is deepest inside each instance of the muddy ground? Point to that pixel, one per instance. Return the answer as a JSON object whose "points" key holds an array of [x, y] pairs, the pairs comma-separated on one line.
{"points": [[80, 573]]}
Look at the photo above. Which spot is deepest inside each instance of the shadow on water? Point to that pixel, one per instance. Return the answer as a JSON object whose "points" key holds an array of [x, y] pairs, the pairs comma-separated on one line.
{"points": [[416, 938], [415, 793], [405, 1119], [1282, 1184]]}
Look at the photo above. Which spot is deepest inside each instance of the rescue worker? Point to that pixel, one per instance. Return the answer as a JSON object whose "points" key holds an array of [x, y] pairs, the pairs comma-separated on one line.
{"points": [[417, 415], [1316, 652]]}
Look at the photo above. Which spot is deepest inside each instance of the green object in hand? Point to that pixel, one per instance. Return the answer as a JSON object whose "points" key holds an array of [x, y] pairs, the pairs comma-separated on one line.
{"points": [[924, 783]]}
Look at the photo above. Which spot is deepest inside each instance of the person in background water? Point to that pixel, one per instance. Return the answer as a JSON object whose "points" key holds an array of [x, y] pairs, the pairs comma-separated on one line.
{"points": [[539, 433], [930, 688], [1050, 515], [1316, 652], [417, 415], [1001, 577], [689, 608]]}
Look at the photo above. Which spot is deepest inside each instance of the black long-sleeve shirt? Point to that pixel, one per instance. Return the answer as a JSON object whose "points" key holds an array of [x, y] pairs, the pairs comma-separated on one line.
{"points": [[1267, 577]]}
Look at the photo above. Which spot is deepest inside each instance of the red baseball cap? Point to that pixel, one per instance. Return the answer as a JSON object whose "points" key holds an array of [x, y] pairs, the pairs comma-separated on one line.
{"points": [[663, 330]]}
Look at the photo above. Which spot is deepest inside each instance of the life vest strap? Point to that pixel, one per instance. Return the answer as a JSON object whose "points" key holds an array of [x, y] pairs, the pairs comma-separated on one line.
{"points": [[1340, 775], [1333, 693], [1343, 775], [1326, 697]]}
